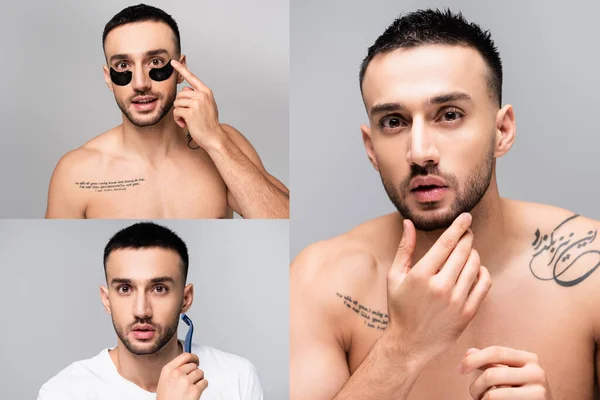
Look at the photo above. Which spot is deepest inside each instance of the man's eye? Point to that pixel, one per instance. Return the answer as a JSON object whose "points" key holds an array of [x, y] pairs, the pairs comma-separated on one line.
{"points": [[161, 289], [452, 115], [392, 122], [121, 66], [123, 289], [156, 62]]}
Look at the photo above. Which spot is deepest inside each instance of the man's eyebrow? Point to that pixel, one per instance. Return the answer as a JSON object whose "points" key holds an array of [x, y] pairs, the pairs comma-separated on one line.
{"points": [[156, 52], [119, 57], [162, 279], [386, 107], [447, 97], [149, 53], [115, 281]]}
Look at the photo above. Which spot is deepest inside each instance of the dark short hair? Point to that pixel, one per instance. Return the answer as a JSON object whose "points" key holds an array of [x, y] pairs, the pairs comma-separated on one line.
{"points": [[148, 235], [142, 13], [424, 27]]}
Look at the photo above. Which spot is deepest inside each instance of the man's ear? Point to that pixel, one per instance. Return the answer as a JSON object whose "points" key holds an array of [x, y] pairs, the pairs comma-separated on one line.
{"points": [[188, 298], [104, 298], [506, 130], [107, 79], [368, 142], [183, 61]]}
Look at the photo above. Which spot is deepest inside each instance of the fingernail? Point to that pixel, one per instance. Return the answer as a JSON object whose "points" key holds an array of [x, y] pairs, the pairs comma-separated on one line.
{"points": [[468, 217]]}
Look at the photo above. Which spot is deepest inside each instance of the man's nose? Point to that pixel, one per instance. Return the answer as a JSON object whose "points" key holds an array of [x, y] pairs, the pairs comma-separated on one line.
{"points": [[422, 149], [141, 79], [141, 307]]}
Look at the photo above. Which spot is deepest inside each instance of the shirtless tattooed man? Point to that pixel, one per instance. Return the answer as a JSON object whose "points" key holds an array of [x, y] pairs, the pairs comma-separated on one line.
{"points": [[461, 294], [171, 157]]}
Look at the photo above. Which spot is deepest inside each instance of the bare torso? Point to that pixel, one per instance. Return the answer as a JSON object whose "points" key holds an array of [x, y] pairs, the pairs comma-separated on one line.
{"points": [[521, 311], [104, 181]]}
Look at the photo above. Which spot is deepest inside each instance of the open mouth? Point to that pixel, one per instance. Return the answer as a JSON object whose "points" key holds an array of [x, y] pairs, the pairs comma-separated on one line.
{"points": [[144, 101], [429, 193], [425, 188]]}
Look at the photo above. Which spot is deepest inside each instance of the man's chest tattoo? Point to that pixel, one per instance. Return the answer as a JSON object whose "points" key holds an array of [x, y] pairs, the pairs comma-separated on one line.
{"points": [[371, 318], [110, 186], [564, 255]]}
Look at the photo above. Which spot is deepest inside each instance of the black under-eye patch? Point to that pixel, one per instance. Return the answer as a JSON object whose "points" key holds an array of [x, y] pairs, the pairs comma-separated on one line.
{"points": [[156, 74], [161, 74], [120, 78]]}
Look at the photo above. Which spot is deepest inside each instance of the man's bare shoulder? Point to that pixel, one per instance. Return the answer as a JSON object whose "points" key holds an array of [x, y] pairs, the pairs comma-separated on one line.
{"points": [[547, 218], [74, 170], [356, 258], [89, 156]]}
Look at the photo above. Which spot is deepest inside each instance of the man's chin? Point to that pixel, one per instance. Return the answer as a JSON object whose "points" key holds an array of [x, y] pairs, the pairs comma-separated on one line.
{"points": [[145, 120], [140, 349], [430, 220]]}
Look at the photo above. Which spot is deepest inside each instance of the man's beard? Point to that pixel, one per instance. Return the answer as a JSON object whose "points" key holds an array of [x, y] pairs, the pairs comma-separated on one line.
{"points": [[160, 113], [164, 336], [474, 189]]}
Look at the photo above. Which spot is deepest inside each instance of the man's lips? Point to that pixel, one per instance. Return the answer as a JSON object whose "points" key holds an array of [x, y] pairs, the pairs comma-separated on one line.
{"points": [[143, 331], [144, 99], [427, 183], [145, 103]]}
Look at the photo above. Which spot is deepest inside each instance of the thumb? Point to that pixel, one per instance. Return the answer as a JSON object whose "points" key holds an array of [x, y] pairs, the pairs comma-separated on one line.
{"points": [[470, 351], [406, 249]]}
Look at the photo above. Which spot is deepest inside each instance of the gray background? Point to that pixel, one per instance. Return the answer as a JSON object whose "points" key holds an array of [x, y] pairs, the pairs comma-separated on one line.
{"points": [[550, 53], [53, 316], [54, 98]]}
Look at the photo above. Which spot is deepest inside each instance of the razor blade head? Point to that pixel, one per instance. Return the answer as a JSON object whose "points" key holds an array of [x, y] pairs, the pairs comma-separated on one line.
{"points": [[187, 320]]}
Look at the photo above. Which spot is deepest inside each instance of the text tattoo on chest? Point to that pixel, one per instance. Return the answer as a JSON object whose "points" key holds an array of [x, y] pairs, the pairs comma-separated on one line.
{"points": [[564, 256], [372, 318], [110, 186]]}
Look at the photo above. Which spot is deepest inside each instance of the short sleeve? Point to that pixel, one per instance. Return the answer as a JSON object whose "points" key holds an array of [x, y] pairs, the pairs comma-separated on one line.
{"points": [[254, 389], [48, 392]]}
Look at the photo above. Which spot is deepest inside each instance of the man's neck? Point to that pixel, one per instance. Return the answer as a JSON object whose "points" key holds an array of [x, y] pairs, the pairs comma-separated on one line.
{"points": [[153, 143], [144, 371]]}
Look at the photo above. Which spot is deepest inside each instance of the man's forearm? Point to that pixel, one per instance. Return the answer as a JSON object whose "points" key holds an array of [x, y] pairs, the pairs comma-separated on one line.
{"points": [[388, 372], [256, 196]]}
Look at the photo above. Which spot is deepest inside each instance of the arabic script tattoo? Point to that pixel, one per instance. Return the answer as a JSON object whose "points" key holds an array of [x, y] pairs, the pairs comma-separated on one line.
{"points": [[562, 256]]}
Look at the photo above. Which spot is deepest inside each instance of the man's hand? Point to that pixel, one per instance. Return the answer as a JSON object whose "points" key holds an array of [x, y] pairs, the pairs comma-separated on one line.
{"points": [[431, 303], [196, 108], [181, 379], [507, 374]]}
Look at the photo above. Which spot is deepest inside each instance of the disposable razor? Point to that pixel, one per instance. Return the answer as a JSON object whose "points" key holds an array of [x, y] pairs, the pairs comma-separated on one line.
{"points": [[187, 345]]}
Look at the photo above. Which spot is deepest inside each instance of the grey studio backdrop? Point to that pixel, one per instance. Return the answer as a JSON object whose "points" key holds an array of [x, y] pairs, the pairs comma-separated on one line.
{"points": [[53, 271], [54, 98], [550, 52]]}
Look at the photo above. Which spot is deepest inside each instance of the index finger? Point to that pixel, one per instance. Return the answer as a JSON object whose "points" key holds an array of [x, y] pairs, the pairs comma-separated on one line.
{"points": [[443, 247], [188, 76], [495, 355], [182, 359]]}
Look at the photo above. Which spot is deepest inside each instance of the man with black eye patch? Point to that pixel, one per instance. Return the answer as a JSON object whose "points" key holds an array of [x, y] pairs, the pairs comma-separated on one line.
{"points": [[460, 294], [171, 157]]}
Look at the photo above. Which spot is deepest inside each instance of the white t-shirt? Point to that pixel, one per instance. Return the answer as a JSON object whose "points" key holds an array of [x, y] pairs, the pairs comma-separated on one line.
{"points": [[230, 377]]}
